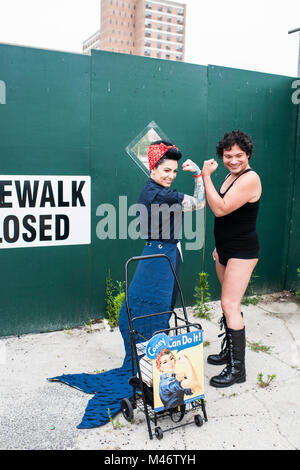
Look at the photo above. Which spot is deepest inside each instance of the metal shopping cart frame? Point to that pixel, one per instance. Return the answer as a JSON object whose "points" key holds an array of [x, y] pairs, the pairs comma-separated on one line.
{"points": [[142, 398]]}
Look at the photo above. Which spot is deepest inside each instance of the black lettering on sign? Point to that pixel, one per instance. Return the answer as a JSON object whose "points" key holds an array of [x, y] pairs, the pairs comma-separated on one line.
{"points": [[27, 194], [11, 231], [4, 193], [44, 227], [30, 229], [47, 195], [61, 202], [59, 235], [76, 193]]}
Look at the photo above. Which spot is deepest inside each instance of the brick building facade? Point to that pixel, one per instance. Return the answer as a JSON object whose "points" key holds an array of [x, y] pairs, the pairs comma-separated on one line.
{"points": [[140, 27]]}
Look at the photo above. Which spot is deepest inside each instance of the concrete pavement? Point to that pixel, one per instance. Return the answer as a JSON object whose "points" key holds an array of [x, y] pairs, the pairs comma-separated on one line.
{"points": [[36, 414]]}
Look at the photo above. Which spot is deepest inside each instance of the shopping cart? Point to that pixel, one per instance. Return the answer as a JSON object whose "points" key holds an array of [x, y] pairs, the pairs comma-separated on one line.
{"points": [[143, 396]]}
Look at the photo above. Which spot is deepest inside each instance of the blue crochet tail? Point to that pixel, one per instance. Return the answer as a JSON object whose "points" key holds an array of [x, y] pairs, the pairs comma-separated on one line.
{"points": [[109, 388]]}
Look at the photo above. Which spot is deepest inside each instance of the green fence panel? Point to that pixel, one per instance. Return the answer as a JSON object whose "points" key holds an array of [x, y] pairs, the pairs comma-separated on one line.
{"points": [[44, 130], [260, 104], [73, 115], [293, 263], [128, 92]]}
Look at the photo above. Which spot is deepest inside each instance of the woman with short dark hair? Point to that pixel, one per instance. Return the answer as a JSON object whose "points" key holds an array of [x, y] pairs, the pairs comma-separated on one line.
{"points": [[235, 207]]}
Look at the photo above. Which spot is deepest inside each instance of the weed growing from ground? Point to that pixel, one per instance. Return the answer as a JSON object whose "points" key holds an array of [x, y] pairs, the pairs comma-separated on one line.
{"points": [[265, 383], [202, 297], [258, 347]]}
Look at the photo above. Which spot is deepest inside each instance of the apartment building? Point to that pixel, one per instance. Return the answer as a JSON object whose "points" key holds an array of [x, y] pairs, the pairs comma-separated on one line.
{"points": [[140, 27]]}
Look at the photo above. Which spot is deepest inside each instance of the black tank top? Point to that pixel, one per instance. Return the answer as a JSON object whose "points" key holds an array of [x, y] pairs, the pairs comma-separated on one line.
{"points": [[237, 231]]}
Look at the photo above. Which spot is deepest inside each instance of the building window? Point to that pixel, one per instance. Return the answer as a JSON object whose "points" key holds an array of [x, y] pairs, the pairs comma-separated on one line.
{"points": [[148, 14], [159, 35], [159, 45], [146, 52], [168, 46], [168, 37], [148, 24], [180, 11], [179, 29], [160, 8], [147, 43], [179, 39], [149, 5], [179, 56], [147, 33], [159, 26], [180, 20], [169, 28], [158, 54], [168, 56], [169, 10], [159, 17], [169, 19], [179, 48]]}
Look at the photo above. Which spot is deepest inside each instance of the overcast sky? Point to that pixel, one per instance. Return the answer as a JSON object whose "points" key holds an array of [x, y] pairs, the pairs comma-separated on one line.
{"points": [[250, 34]]}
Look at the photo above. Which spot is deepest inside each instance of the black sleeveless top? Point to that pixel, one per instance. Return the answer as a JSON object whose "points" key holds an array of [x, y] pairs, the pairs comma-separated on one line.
{"points": [[236, 232]]}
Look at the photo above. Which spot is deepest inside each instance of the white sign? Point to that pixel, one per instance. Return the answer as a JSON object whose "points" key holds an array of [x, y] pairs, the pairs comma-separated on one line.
{"points": [[2, 92], [44, 211]]}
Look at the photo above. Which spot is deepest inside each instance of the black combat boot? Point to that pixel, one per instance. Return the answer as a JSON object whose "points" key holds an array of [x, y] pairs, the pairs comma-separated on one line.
{"points": [[223, 356], [235, 371]]}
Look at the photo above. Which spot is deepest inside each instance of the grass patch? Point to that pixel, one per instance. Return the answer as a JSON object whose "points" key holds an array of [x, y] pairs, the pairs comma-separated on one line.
{"points": [[258, 347]]}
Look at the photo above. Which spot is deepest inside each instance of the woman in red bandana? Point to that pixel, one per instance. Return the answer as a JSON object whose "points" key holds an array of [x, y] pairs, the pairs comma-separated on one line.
{"points": [[163, 164], [152, 289], [161, 208]]}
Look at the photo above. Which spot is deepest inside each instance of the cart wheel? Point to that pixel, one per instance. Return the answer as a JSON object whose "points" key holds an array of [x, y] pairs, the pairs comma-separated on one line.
{"points": [[158, 433], [198, 420], [127, 409]]}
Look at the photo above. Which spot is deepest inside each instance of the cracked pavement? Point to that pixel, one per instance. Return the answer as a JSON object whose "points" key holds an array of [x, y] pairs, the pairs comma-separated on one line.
{"points": [[36, 414]]}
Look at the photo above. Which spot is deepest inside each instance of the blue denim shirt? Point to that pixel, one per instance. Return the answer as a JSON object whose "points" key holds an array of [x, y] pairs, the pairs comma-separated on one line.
{"points": [[155, 194], [170, 391]]}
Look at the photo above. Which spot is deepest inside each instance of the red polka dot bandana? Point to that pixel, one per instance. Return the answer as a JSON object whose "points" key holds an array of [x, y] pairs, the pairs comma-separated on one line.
{"points": [[155, 153]]}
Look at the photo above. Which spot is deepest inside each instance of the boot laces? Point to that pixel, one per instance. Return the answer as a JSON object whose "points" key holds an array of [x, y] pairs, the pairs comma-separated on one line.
{"points": [[221, 322]]}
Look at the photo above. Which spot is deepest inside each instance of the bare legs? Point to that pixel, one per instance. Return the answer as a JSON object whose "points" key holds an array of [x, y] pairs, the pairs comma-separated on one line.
{"points": [[234, 279]]}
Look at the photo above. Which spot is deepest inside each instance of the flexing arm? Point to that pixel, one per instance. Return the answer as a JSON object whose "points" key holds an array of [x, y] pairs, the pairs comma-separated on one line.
{"points": [[246, 189], [193, 203], [191, 381]]}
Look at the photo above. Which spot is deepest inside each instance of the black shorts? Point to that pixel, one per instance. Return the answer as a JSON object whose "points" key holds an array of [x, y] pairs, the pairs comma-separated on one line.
{"points": [[225, 256]]}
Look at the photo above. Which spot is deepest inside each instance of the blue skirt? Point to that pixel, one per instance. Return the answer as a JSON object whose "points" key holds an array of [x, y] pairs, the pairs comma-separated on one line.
{"points": [[152, 290]]}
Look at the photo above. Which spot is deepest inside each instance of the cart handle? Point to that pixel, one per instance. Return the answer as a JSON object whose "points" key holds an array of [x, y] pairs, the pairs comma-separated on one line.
{"points": [[140, 258], [188, 325]]}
